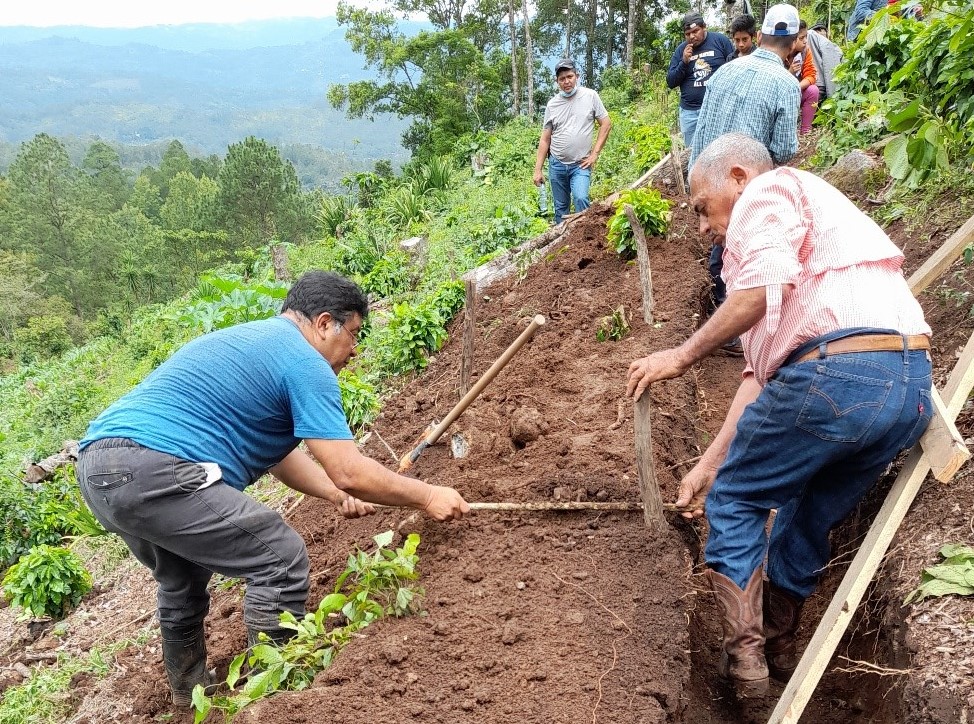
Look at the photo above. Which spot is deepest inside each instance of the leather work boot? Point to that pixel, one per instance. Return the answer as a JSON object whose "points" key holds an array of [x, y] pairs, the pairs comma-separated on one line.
{"points": [[742, 659], [782, 612], [184, 656]]}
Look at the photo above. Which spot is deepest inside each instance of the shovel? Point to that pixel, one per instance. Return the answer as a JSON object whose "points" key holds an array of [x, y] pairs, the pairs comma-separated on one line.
{"points": [[430, 438]]}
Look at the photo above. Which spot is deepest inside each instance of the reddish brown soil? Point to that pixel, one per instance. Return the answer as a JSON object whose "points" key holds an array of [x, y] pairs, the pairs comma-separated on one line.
{"points": [[537, 617]]}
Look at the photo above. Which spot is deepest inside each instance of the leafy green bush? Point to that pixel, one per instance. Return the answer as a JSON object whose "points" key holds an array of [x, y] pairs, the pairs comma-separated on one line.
{"points": [[652, 211], [222, 302], [509, 225], [359, 400], [405, 206], [336, 215], [42, 337], [372, 585], [389, 275], [48, 581]]}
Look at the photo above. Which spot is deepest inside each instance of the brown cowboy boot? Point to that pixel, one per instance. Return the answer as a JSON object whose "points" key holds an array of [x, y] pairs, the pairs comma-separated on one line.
{"points": [[782, 612], [742, 659]]}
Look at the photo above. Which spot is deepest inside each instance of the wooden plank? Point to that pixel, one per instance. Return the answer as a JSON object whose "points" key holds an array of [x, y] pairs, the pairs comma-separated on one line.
{"points": [[646, 467], [938, 262], [849, 594], [942, 444], [676, 161], [642, 257], [469, 330]]}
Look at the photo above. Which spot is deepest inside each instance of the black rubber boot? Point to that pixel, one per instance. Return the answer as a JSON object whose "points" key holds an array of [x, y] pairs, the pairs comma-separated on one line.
{"points": [[184, 656]]}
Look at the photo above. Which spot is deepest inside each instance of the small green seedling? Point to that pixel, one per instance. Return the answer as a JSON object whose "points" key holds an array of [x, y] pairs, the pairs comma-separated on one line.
{"points": [[614, 326]]}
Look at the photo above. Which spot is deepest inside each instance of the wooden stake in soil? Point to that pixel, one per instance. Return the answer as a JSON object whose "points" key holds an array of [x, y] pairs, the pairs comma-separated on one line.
{"points": [[676, 160], [642, 255], [648, 487], [874, 546], [469, 329]]}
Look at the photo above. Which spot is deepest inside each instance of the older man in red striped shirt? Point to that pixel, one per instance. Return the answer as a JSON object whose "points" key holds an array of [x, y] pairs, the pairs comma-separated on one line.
{"points": [[837, 382]]}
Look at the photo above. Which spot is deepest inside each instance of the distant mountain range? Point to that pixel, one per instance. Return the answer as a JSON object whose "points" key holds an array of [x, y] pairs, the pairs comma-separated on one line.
{"points": [[207, 85]]}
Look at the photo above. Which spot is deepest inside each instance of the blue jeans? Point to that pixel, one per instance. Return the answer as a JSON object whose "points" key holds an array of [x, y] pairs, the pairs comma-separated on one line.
{"points": [[715, 265], [813, 443], [688, 124], [569, 183]]}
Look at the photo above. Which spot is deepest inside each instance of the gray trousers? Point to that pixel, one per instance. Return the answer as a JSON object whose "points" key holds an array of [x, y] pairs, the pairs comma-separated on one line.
{"points": [[183, 534]]}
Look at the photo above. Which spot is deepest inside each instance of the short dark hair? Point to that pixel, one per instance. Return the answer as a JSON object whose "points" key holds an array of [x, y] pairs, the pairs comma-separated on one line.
{"points": [[781, 42], [802, 25], [316, 292], [744, 24]]}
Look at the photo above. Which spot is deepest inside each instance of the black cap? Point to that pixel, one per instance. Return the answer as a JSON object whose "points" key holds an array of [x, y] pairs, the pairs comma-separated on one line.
{"points": [[564, 64], [693, 18], [820, 25]]}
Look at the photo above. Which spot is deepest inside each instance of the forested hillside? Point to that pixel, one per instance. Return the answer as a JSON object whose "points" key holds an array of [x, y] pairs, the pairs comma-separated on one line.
{"points": [[206, 85]]}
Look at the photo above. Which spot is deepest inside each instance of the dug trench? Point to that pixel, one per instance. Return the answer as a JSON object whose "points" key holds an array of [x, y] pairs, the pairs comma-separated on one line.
{"points": [[531, 617]]}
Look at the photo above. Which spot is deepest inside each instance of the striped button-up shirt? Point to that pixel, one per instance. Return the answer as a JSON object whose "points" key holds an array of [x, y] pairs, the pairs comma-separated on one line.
{"points": [[824, 264], [755, 95]]}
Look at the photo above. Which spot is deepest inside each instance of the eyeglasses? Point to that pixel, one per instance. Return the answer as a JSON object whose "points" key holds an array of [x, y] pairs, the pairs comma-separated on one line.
{"points": [[353, 335]]}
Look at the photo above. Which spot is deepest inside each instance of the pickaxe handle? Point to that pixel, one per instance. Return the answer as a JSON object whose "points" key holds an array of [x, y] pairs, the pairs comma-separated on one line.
{"points": [[409, 458]]}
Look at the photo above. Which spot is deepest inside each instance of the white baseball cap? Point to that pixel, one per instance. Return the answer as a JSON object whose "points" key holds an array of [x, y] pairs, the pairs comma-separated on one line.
{"points": [[780, 20]]}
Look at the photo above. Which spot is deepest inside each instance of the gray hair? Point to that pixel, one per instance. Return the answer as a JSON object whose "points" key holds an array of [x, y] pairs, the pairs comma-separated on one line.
{"points": [[731, 149]]}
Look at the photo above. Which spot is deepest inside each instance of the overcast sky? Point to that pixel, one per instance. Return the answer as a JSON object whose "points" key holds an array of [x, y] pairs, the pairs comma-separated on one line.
{"points": [[136, 13]]}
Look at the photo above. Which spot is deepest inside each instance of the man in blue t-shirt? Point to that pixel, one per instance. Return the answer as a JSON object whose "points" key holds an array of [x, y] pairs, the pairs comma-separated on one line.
{"points": [[166, 465], [694, 61]]}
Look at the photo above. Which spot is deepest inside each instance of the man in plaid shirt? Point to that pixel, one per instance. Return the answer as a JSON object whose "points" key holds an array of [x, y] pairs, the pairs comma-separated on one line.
{"points": [[837, 383]]}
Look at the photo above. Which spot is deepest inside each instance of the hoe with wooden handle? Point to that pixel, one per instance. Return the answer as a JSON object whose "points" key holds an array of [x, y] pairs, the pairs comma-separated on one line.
{"points": [[409, 458]]}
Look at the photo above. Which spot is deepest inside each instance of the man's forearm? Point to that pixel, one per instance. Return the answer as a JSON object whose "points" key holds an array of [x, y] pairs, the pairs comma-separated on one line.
{"points": [[740, 311], [365, 479], [300, 472], [605, 125]]}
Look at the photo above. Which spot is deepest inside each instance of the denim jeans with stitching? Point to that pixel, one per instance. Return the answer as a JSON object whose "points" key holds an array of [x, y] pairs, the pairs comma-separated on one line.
{"points": [[688, 124], [569, 184], [812, 444]]}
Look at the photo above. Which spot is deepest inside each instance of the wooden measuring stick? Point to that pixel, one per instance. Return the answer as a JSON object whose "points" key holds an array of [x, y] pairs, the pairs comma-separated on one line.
{"points": [[567, 506], [469, 330], [849, 594], [642, 255]]}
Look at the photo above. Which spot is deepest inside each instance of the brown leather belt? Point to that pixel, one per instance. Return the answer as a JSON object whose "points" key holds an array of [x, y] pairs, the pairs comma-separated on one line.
{"points": [[868, 343]]}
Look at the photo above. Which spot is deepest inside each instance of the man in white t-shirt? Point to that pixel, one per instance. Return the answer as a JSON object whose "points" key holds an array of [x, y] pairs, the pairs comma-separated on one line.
{"points": [[566, 140]]}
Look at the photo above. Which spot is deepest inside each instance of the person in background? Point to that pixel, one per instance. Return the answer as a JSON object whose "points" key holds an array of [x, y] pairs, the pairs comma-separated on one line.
{"points": [[566, 140], [694, 61], [861, 13], [165, 467], [744, 31], [755, 95], [803, 68], [826, 55]]}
